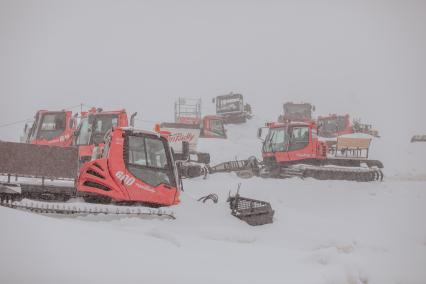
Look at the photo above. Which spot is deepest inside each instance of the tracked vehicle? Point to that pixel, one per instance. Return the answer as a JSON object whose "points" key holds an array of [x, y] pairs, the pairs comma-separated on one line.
{"points": [[232, 109], [93, 126], [293, 149], [296, 112], [55, 128], [134, 168]]}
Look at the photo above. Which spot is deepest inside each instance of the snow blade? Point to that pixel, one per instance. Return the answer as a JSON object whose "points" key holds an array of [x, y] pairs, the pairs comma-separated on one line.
{"points": [[38, 160], [253, 212]]}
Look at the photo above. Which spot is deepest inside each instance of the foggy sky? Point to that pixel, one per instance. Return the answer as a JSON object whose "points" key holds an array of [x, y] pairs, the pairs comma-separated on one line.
{"points": [[366, 58]]}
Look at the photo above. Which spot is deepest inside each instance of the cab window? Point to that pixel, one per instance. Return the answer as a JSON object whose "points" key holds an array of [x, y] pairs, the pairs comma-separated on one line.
{"points": [[299, 138], [216, 126]]}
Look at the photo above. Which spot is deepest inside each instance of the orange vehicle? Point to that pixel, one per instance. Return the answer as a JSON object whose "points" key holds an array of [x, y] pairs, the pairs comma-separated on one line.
{"points": [[55, 128], [293, 149], [93, 126], [142, 172], [188, 112], [136, 167]]}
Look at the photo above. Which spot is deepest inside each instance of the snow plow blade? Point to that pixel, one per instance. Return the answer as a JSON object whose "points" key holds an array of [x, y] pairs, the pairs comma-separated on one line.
{"points": [[40, 171], [19, 159]]}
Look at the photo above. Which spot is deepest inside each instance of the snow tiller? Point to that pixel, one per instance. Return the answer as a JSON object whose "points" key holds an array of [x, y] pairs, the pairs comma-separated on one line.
{"points": [[134, 168], [253, 212]]}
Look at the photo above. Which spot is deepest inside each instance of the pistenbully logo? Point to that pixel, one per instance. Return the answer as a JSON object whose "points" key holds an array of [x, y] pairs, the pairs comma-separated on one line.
{"points": [[179, 137]]}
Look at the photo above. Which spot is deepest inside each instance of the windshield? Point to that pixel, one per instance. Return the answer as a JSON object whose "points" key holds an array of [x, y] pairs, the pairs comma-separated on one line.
{"points": [[216, 126], [276, 140], [101, 124], [297, 112], [149, 161], [51, 125], [229, 104]]}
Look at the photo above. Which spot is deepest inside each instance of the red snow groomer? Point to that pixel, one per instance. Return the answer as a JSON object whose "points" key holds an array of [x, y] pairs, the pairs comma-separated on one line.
{"points": [[134, 168], [293, 149], [297, 112], [189, 127], [93, 126], [334, 125], [55, 128]]}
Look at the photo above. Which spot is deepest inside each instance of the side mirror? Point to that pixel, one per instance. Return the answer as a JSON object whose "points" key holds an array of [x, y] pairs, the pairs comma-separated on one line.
{"points": [[185, 150], [259, 132], [313, 108], [213, 100]]}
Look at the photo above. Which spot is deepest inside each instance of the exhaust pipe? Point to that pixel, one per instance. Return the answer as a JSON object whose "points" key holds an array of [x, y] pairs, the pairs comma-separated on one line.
{"points": [[132, 119]]}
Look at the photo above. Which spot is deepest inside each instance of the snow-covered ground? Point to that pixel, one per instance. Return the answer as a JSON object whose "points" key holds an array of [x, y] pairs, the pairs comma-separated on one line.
{"points": [[323, 231]]}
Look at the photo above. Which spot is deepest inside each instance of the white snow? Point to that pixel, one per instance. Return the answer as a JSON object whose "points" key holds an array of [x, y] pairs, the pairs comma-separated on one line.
{"points": [[323, 231]]}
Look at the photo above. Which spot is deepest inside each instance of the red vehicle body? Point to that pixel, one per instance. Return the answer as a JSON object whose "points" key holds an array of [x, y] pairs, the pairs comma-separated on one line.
{"points": [[136, 166], [334, 125], [92, 128], [54, 128], [289, 143], [293, 149], [293, 143]]}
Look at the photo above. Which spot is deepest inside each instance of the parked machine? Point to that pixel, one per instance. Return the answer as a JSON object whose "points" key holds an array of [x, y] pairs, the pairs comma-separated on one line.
{"points": [[55, 128], [188, 128], [134, 168], [293, 149], [188, 112], [232, 109], [93, 126], [334, 125], [297, 112]]}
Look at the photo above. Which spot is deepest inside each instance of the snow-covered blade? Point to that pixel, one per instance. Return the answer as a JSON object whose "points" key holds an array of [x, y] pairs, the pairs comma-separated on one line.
{"points": [[38, 160]]}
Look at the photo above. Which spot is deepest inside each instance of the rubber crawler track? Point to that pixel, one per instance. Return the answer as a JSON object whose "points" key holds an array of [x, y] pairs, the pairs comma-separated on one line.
{"points": [[11, 201], [332, 173]]}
